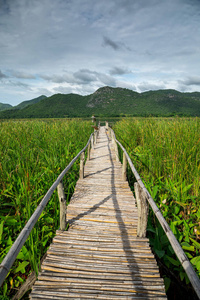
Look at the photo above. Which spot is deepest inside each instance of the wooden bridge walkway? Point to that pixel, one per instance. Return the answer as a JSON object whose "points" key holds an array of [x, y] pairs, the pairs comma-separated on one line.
{"points": [[100, 256]]}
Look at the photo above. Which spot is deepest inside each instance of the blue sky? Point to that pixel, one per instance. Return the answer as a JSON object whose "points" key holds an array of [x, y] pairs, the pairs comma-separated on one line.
{"points": [[77, 46]]}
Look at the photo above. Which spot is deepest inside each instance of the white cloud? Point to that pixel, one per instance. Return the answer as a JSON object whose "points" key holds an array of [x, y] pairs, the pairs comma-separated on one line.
{"points": [[120, 71], [21, 74], [81, 45], [2, 75], [146, 86], [114, 45], [191, 80]]}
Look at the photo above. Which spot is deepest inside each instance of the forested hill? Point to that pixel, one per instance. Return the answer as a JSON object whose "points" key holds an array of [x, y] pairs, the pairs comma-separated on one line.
{"points": [[4, 106], [29, 102], [108, 101]]}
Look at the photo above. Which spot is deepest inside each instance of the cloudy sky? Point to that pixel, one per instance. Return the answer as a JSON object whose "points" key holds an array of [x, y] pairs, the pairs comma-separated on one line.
{"points": [[77, 46]]}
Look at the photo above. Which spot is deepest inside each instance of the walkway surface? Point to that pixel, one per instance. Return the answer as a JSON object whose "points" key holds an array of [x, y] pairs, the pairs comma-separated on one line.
{"points": [[100, 256]]}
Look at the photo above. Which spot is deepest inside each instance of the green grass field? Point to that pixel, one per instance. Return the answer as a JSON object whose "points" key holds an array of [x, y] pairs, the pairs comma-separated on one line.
{"points": [[33, 154], [166, 154]]}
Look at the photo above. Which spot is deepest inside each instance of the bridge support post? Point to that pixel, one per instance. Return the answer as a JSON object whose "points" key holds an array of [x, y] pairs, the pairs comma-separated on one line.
{"points": [[81, 171], [143, 209], [62, 200], [124, 167]]}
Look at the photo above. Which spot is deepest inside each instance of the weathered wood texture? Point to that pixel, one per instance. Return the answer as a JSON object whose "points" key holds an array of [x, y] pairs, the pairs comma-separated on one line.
{"points": [[143, 209], [100, 256], [81, 171], [62, 201]]}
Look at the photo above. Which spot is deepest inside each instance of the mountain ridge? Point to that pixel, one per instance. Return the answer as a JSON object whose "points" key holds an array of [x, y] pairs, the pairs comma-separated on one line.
{"points": [[5, 106], [23, 104], [108, 101], [29, 102]]}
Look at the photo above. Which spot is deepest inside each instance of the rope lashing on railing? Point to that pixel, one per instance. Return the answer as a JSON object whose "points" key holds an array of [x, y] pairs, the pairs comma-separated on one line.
{"points": [[171, 237]]}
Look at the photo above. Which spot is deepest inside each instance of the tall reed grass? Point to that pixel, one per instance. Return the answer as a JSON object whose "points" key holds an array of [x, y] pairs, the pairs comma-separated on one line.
{"points": [[166, 154], [33, 153]]}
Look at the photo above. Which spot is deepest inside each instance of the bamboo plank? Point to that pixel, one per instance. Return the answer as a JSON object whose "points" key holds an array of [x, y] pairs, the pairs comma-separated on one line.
{"points": [[129, 257], [101, 288], [79, 274], [90, 261], [105, 245], [100, 242], [52, 279], [103, 237], [91, 296], [100, 256]]}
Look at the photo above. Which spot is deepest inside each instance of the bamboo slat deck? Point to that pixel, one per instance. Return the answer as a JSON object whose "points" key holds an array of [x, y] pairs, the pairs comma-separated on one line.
{"points": [[100, 256]]}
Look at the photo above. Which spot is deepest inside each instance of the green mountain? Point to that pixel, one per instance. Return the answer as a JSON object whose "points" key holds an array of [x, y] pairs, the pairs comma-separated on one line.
{"points": [[4, 106], [22, 104], [108, 101], [29, 102]]}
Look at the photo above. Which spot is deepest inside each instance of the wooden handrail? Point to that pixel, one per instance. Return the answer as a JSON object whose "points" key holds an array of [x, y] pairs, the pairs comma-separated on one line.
{"points": [[171, 237], [19, 242]]}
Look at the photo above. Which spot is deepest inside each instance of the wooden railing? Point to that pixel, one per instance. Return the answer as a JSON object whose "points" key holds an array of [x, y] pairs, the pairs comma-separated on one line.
{"points": [[144, 199], [19, 242]]}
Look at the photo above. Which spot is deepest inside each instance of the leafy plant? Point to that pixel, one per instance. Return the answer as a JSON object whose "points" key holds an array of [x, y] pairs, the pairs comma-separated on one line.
{"points": [[165, 153], [33, 155]]}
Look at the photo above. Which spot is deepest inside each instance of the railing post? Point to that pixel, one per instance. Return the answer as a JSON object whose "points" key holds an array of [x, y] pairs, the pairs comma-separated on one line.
{"points": [[81, 171], [112, 137], [99, 125], [95, 136], [107, 125], [62, 200], [143, 209], [115, 146], [116, 151], [109, 132], [92, 141], [22, 237], [124, 167], [88, 151]]}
